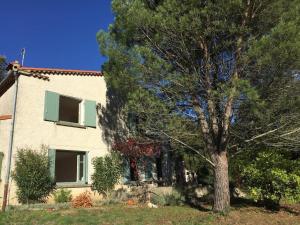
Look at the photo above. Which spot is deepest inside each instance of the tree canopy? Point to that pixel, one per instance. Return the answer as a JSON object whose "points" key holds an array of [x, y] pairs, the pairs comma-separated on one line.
{"points": [[189, 70]]}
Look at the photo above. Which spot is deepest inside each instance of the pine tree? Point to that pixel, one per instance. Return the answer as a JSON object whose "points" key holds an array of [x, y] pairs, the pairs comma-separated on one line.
{"points": [[177, 63]]}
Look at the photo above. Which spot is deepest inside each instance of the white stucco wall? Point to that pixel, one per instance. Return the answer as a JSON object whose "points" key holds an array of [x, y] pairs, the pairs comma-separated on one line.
{"points": [[6, 106], [6, 102], [5, 126], [32, 131]]}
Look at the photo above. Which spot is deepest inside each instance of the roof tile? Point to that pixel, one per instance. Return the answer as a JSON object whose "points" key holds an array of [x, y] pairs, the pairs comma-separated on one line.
{"points": [[52, 71]]}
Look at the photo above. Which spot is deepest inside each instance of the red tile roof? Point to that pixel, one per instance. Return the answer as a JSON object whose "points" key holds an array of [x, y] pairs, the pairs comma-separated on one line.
{"points": [[41, 73], [51, 71]]}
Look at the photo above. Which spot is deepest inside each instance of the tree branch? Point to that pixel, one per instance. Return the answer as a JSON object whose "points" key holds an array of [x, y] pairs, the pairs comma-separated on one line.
{"points": [[191, 148]]}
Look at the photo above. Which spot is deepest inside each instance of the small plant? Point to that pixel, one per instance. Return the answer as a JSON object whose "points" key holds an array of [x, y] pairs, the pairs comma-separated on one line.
{"points": [[32, 175], [62, 196], [172, 199], [131, 202], [108, 171], [83, 200], [158, 200], [116, 196]]}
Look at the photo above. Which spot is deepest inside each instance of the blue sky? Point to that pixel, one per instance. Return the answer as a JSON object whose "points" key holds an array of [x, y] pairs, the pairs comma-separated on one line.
{"points": [[55, 33]]}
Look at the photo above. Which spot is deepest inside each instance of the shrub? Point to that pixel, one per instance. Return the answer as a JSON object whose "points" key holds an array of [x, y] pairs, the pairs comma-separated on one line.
{"points": [[107, 173], [32, 176], [271, 177], [83, 200], [172, 199], [62, 195], [158, 200]]}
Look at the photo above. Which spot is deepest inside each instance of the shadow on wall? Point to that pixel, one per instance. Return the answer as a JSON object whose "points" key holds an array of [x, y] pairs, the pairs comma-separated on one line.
{"points": [[110, 118]]}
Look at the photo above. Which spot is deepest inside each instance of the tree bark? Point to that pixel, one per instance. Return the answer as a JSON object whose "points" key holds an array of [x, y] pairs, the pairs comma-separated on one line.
{"points": [[221, 182]]}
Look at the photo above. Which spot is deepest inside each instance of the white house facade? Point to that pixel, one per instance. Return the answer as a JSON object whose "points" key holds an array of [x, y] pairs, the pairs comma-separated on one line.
{"points": [[55, 108]]}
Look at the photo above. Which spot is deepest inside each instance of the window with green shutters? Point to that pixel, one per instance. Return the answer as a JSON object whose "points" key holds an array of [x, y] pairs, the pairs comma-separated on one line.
{"points": [[66, 110], [70, 167]]}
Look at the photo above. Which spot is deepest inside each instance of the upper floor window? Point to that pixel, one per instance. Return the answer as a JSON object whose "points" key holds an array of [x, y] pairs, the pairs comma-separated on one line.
{"points": [[69, 109]]}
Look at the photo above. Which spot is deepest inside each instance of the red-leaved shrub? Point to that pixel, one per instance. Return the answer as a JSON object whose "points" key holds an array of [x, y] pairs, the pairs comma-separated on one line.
{"points": [[83, 200]]}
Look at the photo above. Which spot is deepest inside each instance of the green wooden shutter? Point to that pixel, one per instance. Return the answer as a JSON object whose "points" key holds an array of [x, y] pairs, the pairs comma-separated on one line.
{"points": [[51, 157], [85, 167], [51, 109], [149, 168], [126, 170], [90, 113], [1, 160]]}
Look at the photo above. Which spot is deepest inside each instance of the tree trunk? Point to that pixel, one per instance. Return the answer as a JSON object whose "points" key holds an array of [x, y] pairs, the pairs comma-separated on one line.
{"points": [[221, 182]]}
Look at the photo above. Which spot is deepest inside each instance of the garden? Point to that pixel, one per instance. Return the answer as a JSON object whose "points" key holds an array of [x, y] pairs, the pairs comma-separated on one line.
{"points": [[143, 204]]}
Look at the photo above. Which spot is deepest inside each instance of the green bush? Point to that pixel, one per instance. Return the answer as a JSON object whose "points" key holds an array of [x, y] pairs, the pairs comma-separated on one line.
{"points": [[32, 176], [158, 200], [108, 171], [172, 199], [62, 196], [272, 176]]}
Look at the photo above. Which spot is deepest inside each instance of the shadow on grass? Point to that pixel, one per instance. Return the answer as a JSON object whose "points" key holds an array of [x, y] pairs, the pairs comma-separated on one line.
{"points": [[268, 206], [291, 210], [205, 204], [201, 205]]}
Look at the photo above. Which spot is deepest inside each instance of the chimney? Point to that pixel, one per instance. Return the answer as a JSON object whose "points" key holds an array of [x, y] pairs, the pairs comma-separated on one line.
{"points": [[15, 65]]}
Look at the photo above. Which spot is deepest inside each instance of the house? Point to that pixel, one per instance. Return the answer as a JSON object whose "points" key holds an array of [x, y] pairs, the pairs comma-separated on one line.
{"points": [[55, 108]]}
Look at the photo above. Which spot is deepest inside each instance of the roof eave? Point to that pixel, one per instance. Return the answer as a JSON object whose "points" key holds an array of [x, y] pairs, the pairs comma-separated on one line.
{"points": [[56, 71]]}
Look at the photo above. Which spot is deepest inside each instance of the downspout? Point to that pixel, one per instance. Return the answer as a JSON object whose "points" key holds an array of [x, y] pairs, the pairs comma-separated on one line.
{"points": [[14, 73]]}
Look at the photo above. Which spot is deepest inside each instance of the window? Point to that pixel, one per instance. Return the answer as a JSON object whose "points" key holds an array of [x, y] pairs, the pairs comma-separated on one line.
{"points": [[142, 169], [70, 166], [69, 109]]}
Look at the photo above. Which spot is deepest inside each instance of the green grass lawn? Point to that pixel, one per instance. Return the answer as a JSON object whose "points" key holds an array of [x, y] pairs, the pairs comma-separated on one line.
{"points": [[119, 214], [116, 214]]}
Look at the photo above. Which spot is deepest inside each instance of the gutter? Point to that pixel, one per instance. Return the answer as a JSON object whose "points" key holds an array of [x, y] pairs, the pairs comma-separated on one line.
{"points": [[13, 72]]}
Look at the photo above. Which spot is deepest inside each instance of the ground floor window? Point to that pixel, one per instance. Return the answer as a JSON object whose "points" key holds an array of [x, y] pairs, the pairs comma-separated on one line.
{"points": [[70, 166], [136, 169]]}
